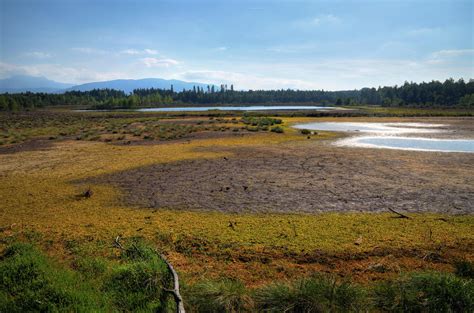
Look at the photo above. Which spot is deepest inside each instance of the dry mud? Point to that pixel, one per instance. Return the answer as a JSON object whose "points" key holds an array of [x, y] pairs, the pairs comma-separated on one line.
{"points": [[306, 177]]}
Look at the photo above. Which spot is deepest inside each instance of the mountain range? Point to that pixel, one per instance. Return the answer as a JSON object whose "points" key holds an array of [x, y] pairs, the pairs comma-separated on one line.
{"points": [[23, 83]]}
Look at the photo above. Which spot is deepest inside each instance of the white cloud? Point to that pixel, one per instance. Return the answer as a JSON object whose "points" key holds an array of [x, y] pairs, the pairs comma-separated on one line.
{"points": [[243, 81], [320, 20], [295, 48], [87, 50], [59, 73], [423, 31], [130, 51], [139, 52], [452, 53], [158, 62], [221, 48], [444, 56], [150, 51], [325, 19], [38, 54]]}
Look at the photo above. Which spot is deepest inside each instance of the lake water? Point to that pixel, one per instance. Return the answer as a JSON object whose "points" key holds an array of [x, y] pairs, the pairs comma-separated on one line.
{"points": [[375, 128], [388, 135], [241, 108], [420, 144]]}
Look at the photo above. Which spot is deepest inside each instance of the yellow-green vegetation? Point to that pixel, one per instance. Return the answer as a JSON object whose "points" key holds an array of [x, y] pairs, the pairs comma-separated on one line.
{"points": [[39, 194], [407, 111], [232, 260]]}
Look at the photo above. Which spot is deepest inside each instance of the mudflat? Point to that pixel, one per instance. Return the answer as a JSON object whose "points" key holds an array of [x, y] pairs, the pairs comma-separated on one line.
{"points": [[310, 176]]}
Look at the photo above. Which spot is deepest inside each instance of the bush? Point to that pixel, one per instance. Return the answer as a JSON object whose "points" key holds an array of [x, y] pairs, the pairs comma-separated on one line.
{"points": [[139, 286], [218, 296], [277, 129], [426, 292], [464, 268], [260, 121], [315, 294], [305, 131], [30, 282]]}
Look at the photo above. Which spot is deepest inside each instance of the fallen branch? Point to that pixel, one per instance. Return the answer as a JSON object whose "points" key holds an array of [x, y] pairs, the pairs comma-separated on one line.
{"points": [[117, 243], [175, 291], [400, 215]]}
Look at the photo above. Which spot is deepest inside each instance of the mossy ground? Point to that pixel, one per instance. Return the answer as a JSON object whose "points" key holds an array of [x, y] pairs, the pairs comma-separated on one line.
{"points": [[41, 203]]}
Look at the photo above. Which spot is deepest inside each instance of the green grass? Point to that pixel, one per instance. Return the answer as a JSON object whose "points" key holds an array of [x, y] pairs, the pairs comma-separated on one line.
{"points": [[464, 268], [32, 282], [225, 295], [136, 278], [314, 294], [426, 292], [29, 282]]}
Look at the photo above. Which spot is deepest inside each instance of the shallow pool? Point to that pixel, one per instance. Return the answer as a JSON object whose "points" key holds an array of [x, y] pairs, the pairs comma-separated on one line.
{"points": [[376, 128], [409, 143], [389, 136]]}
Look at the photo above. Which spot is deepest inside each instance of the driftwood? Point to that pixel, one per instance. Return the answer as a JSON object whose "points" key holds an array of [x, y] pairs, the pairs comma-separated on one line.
{"points": [[400, 215], [175, 291]]}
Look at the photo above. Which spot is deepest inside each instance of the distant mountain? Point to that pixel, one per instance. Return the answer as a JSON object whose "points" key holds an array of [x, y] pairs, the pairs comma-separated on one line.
{"points": [[128, 85], [22, 83]]}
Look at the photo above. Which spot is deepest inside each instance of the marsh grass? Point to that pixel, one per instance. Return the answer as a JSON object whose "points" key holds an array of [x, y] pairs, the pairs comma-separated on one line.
{"points": [[30, 282], [425, 292], [136, 279], [416, 292], [464, 268], [317, 293], [225, 295]]}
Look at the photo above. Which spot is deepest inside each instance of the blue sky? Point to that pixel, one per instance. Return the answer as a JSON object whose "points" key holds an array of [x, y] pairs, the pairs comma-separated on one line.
{"points": [[330, 45]]}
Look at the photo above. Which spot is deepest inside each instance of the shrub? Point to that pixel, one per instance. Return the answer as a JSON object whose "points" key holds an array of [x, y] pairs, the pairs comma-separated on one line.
{"points": [[138, 286], [425, 292], [277, 129], [314, 294], [225, 295], [464, 268], [305, 131]]}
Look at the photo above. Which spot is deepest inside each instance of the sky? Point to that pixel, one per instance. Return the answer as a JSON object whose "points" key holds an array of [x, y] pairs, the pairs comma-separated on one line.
{"points": [[330, 45]]}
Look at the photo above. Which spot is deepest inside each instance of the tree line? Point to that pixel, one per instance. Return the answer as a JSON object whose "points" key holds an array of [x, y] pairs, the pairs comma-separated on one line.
{"points": [[449, 93]]}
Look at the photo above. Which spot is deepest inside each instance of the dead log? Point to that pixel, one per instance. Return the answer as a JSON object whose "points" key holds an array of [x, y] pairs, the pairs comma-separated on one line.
{"points": [[175, 291], [400, 215]]}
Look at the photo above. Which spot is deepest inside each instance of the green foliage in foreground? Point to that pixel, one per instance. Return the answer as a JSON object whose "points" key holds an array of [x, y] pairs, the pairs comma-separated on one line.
{"points": [[225, 295], [314, 294], [426, 292], [30, 282], [135, 281]]}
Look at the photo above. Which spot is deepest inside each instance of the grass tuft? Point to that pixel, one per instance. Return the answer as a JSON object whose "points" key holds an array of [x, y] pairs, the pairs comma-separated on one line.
{"points": [[314, 294], [425, 292], [226, 295]]}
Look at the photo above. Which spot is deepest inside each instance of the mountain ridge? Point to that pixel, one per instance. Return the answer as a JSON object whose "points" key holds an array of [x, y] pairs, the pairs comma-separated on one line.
{"points": [[25, 83]]}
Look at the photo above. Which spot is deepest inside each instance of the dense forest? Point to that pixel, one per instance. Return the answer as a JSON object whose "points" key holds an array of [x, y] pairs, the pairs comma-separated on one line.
{"points": [[432, 94]]}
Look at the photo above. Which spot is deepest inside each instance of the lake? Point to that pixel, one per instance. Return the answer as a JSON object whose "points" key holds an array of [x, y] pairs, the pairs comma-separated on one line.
{"points": [[240, 108], [388, 136]]}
